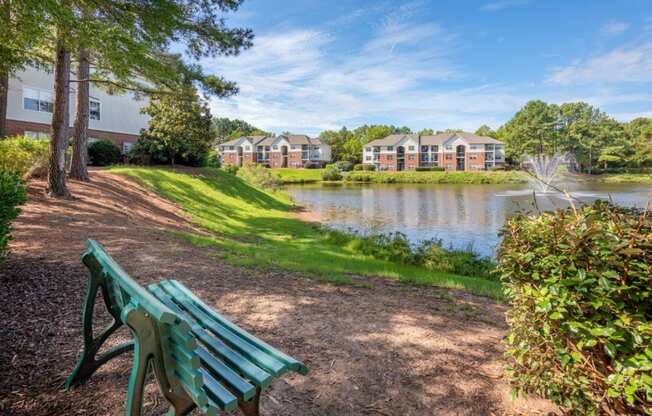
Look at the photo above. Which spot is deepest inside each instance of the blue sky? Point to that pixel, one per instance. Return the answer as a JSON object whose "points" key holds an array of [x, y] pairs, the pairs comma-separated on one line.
{"points": [[319, 65]]}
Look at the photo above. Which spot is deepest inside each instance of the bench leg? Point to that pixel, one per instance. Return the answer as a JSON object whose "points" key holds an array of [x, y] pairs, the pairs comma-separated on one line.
{"points": [[88, 361], [252, 407]]}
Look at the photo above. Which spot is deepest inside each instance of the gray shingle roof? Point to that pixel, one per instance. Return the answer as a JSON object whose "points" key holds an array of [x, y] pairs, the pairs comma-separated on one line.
{"points": [[437, 139]]}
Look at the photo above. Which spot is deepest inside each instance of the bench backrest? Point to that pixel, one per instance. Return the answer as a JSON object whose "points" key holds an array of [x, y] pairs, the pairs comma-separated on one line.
{"points": [[176, 343]]}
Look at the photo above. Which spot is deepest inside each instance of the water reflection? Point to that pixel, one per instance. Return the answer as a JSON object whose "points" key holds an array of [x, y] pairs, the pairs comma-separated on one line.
{"points": [[460, 215]]}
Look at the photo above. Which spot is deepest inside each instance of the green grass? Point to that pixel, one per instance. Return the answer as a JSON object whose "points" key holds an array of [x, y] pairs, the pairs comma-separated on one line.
{"points": [[292, 175], [496, 177], [255, 228], [621, 178]]}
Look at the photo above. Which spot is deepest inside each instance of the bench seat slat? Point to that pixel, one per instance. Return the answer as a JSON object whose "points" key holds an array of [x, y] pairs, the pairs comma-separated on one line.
{"points": [[258, 356], [242, 387], [258, 376], [262, 345], [221, 396]]}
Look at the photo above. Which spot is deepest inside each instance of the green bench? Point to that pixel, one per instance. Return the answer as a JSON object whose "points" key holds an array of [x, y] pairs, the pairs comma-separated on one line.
{"points": [[200, 359]]}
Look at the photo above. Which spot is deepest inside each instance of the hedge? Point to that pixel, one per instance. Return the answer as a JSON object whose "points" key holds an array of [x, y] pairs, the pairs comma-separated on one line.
{"points": [[580, 324], [103, 153], [12, 194]]}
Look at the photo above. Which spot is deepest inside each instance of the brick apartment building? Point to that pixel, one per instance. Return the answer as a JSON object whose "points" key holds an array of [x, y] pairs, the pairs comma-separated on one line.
{"points": [[284, 151], [459, 151], [31, 103]]}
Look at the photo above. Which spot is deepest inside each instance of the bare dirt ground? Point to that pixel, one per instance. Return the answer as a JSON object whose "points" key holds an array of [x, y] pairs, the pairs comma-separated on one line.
{"points": [[386, 350]]}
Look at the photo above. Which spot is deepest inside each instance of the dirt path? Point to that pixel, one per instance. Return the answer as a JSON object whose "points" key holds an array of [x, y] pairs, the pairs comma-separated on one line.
{"points": [[386, 350]]}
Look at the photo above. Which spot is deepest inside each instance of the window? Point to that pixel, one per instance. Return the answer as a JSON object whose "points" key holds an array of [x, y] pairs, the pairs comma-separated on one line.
{"points": [[275, 147], [126, 147], [411, 148], [315, 148], [294, 147], [449, 156], [410, 157], [247, 148], [390, 157], [434, 149], [368, 149], [37, 100], [475, 147], [231, 147], [94, 107], [473, 156], [424, 149], [390, 148], [449, 147], [367, 158], [37, 135]]}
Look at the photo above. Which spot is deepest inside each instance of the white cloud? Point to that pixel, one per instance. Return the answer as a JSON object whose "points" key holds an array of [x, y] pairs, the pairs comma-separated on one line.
{"points": [[628, 116], [502, 4], [615, 28], [622, 65]]}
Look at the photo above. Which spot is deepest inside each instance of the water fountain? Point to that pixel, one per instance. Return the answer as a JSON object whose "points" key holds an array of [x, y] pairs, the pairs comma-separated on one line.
{"points": [[545, 171]]}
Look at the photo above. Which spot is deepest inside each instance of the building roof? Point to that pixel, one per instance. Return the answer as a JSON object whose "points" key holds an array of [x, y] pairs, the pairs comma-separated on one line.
{"points": [[437, 139], [251, 139], [297, 138]]}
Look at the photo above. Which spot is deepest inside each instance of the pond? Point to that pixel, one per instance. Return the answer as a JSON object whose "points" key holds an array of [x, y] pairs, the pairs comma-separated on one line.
{"points": [[462, 216]]}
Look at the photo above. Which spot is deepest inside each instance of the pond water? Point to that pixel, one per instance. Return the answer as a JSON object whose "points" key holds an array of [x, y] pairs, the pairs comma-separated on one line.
{"points": [[461, 216]]}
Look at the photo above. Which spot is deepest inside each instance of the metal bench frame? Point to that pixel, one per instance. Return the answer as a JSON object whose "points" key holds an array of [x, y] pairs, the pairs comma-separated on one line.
{"points": [[165, 337]]}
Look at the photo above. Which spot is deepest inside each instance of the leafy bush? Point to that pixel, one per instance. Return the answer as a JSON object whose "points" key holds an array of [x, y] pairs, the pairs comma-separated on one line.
{"points": [[12, 194], [103, 153], [580, 323], [213, 159], [19, 154], [260, 176], [232, 169], [430, 169], [344, 165], [331, 173]]}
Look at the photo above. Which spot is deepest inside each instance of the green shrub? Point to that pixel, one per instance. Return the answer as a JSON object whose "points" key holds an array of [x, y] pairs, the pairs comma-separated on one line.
{"points": [[580, 323], [19, 154], [358, 166], [368, 167], [331, 173], [213, 159], [260, 176], [103, 153], [312, 165], [12, 194], [232, 169], [437, 177], [344, 165], [430, 169]]}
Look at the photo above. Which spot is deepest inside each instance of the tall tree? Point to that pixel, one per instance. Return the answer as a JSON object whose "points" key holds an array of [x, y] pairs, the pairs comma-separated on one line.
{"points": [[532, 130], [486, 131], [179, 130], [78, 167], [129, 41]]}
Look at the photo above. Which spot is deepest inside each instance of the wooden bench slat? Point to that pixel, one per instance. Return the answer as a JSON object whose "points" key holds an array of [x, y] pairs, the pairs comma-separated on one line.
{"points": [[258, 376], [221, 396], [258, 356], [242, 387], [279, 355]]}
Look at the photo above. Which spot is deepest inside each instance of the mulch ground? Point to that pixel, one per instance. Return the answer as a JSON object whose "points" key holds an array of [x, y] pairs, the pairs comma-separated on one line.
{"points": [[388, 349]]}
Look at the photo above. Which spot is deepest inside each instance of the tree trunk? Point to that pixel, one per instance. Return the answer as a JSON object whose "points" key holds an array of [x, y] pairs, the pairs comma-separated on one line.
{"points": [[78, 169], [4, 78], [60, 122], [4, 95]]}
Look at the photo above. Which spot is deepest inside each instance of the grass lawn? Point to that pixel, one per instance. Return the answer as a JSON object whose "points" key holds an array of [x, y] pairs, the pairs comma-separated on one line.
{"points": [[495, 177], [293, 175], [255, 228], [620, 178]]}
